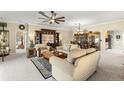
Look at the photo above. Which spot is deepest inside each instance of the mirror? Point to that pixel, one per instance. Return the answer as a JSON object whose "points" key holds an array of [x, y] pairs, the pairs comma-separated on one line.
{"points": [[19, 40]]}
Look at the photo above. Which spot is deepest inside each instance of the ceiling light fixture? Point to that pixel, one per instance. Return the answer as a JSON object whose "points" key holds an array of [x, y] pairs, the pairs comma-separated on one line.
{"points": [[52, 20], [79, 29]]}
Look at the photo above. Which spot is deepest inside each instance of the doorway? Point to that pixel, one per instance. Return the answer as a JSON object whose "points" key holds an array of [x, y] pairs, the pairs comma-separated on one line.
{"points": [[115, 39]]}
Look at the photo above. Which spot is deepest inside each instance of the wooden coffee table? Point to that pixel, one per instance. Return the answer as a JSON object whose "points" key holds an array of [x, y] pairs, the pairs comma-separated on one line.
{"points": [[48, 54]]}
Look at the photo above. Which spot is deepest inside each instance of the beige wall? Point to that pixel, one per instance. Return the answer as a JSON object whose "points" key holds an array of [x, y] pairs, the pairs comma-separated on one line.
{"points": [[66, 34], [13, 28], [104, 27]]}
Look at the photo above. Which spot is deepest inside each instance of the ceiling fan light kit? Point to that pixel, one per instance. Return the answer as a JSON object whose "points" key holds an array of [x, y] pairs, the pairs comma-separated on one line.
{"points": [[52, 18]]}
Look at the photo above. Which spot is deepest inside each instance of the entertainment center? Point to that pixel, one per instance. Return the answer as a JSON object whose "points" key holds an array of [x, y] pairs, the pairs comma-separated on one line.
{"points": [[47, 36]]}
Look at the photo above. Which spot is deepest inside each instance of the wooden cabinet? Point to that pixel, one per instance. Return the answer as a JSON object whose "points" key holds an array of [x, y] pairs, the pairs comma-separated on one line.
{"points": [[87, 40], [39, 37]]}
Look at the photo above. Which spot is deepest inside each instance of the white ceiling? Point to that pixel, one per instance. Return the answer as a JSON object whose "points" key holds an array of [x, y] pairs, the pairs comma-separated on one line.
{"points": [[71, 17]]}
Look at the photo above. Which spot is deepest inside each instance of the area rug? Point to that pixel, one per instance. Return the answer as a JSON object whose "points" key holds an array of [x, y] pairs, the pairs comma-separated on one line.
{"points": [[43, 66]]}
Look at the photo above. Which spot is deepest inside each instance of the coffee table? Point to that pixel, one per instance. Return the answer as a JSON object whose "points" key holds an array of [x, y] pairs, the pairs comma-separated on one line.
{"points": [[48, 54]]}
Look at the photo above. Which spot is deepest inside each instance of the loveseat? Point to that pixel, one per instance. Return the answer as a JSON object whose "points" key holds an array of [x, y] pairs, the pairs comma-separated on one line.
{"points": [[79, 65]]}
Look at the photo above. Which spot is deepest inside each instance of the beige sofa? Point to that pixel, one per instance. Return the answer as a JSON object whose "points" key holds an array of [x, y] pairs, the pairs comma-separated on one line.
{"points": [[79, 65], [40, 48], [66, 48]]}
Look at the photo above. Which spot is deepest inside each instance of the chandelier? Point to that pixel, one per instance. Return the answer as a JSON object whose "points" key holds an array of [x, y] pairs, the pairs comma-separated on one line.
{"points": [[79, 29]]}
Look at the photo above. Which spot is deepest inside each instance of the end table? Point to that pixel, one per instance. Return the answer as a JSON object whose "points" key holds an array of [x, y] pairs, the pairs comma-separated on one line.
{"points": [[31, 52]]}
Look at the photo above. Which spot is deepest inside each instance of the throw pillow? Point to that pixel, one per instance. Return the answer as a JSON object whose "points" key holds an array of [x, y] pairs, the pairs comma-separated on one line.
{"points": [[66, 47]]}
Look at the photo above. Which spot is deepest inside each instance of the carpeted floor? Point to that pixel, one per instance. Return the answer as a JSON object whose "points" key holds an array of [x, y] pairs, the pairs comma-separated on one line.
{"points": [[111, 67], [18, 67]]}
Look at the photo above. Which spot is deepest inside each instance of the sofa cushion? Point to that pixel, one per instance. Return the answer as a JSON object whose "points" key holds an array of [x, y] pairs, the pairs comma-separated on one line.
{"points": [[74, 54], [90, 50], [73, 46]]}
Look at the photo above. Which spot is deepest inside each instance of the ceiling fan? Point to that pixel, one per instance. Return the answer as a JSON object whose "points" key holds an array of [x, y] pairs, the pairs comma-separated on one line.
{"points": [[51, 19]]}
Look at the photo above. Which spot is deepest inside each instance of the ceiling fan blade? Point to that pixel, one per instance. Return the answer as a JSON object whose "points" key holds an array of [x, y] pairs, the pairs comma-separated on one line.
{"points": [[57, 22], [42, 13], [41, 18], [60, 20], [55, 14], [45, 21], [60, 17], [51, 19]]}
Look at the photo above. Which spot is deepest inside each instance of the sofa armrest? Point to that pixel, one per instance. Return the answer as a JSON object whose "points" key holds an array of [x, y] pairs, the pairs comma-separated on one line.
{"points": [[60, 63], [59, 47], [61, 69], [86, 66]]}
